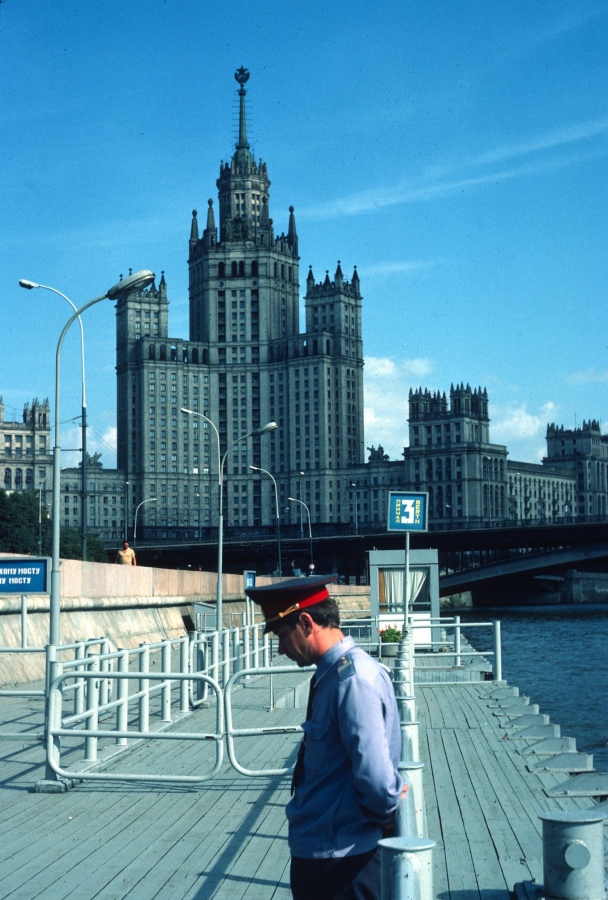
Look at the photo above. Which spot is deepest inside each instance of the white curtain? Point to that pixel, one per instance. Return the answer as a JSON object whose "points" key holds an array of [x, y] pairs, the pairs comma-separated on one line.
{"points": [[394, 584]]}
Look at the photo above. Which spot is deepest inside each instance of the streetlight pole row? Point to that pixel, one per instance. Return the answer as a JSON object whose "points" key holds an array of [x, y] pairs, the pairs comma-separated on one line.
{"points": [[270, 426], [135, 282]]}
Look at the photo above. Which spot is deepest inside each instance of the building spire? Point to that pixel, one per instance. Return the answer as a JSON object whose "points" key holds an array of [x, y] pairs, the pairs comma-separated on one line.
{"points": [[292, 234], [243, 157], [242, 76]]}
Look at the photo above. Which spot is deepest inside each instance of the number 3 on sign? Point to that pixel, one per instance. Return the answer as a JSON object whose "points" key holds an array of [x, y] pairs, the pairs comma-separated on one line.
{"points": [[407, 512]]}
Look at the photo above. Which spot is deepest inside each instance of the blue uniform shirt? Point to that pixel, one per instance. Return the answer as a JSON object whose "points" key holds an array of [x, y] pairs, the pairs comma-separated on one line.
{"points": [[350, 786]]}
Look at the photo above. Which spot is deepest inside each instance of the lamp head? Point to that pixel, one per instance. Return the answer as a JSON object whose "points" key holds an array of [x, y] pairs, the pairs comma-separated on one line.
{"points": [[269, 426], [135, 282], [28, 285]]}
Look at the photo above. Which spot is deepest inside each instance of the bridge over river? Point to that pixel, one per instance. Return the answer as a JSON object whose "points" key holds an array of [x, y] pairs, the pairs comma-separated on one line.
{"points": [[494, 559]]}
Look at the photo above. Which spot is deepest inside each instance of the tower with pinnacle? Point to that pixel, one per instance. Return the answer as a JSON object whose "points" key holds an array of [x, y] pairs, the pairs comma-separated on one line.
{"points": [[244, 364]]}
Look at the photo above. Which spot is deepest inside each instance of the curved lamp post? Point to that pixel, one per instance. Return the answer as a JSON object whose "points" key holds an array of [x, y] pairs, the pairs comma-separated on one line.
{"points": [[135, 282], [276, 500], [270, 426], [24, 283], [149, 500], [312, 562]]}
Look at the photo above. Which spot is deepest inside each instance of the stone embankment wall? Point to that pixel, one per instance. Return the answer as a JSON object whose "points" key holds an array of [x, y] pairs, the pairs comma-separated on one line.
{"points": [[127, 604]]}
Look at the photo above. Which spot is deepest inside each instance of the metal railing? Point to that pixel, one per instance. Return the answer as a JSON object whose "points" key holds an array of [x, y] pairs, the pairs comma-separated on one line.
{"points": [[147, 690]]}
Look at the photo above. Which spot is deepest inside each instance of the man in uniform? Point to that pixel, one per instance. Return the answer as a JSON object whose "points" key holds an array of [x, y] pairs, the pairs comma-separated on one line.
{"points": [[126, 556], [346, 786]]}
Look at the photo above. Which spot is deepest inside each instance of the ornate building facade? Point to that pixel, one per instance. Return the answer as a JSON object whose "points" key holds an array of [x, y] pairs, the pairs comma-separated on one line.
{"points": [[25, 449], [583, 452], [245, 364]]}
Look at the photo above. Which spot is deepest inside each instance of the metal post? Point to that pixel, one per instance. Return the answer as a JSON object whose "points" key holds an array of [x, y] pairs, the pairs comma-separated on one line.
{"points": [[92, 711], [457, 657], [497, 650], [225, 651], [166, 686], [52, 670], [144, 688], [411, 812], [79, 684], [104, 666], [122, 696], [406, 868], [84, 508], [183, 668]]}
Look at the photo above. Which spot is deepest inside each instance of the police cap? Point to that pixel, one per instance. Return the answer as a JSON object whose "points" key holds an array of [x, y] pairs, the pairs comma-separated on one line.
{"points": [[285, 597]]}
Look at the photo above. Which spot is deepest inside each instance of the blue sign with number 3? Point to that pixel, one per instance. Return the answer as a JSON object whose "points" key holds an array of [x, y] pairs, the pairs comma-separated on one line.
{"points": [[407, 512]]}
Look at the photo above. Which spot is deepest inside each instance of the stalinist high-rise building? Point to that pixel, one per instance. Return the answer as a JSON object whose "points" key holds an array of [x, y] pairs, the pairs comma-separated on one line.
{"points": [[245, 363]]}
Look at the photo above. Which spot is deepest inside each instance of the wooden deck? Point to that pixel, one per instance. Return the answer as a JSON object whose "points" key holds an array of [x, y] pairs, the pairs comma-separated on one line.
{"points": [[227, 838]]}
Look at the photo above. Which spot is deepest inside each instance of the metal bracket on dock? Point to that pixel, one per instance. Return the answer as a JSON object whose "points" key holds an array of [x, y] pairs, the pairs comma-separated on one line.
{"points": [[590, 784], [564, 762], [535, 731], [528, 719], [551, 747]]}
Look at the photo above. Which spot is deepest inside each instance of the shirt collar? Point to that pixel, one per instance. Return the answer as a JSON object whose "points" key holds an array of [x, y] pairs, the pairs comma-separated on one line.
{"points": [[331, 656]]}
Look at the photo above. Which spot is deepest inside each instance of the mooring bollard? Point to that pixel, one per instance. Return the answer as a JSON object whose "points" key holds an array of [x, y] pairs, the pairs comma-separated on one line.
{"points": [[406, 868], [573, 854]]}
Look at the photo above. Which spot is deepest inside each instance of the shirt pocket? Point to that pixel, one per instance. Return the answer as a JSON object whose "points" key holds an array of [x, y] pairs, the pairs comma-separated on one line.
{"points": [[317, 745]]}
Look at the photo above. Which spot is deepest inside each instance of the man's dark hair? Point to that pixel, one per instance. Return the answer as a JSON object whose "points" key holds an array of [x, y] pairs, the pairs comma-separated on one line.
{"points": [[326, 614]]}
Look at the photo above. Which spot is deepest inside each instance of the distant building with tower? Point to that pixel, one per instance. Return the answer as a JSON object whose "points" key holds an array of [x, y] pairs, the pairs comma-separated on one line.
{"points": [[25, 449], [244, 364]]}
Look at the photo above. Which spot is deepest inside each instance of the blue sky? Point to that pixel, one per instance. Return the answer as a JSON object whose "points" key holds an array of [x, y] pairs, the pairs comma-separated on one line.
{"points": [[454, 152]]}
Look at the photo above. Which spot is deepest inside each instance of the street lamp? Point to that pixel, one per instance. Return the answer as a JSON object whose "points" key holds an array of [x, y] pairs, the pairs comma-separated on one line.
{"points": [[149, 500], [135, 282], [353, 484], [270, 426], [84, 511], [311, 567], [276, 500]]}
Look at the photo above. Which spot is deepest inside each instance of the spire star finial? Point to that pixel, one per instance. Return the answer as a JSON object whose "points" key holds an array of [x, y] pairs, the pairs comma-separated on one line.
{"points": [[242, 75]]}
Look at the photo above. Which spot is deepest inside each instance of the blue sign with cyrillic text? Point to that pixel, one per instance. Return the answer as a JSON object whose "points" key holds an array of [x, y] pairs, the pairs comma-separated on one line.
{"points": [[24, 576]]}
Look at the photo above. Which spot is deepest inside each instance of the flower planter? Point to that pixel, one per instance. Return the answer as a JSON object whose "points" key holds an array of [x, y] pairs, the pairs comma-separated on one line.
{"points": [[389, 649]]}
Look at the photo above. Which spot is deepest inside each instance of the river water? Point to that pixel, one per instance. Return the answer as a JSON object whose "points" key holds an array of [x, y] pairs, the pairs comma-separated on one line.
{"points": [[558, 656]]}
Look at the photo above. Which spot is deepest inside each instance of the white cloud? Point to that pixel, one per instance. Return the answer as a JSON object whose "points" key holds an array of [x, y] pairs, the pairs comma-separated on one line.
{"points": [[587, 376], [386, 389], [522, 431], [391, 268], [71, 439], [437, 180], [558, 137]]}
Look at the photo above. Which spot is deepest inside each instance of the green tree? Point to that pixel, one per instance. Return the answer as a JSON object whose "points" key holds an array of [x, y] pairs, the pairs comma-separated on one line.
{"points": [[70, 546], [19, 530]]}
